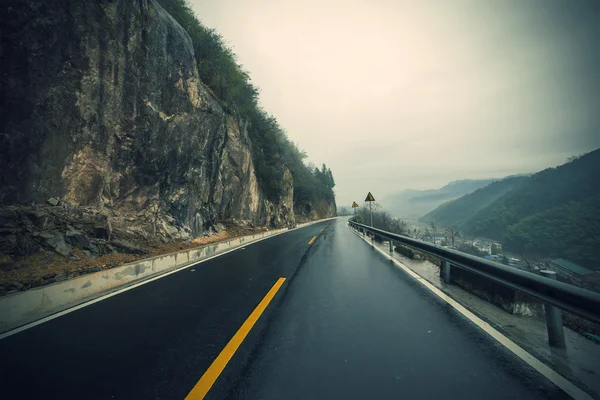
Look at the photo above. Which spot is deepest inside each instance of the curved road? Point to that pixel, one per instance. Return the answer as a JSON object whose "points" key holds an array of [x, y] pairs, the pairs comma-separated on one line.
{"points": [[345, 324]]}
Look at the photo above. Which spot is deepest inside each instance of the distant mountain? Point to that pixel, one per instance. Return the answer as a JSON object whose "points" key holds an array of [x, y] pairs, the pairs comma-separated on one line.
{"points": [[456, 211], [415, 203], [554, 213]]}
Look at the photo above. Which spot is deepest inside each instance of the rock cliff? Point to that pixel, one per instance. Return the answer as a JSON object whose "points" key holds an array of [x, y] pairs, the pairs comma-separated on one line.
{"points": [[102, 110]]}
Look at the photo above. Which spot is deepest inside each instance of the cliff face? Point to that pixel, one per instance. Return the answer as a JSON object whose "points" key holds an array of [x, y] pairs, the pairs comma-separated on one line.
{"points": [[102, 108]]}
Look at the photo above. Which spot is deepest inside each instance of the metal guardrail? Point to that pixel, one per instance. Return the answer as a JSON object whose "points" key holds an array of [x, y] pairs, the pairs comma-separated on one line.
{"points": [[573, 299]]}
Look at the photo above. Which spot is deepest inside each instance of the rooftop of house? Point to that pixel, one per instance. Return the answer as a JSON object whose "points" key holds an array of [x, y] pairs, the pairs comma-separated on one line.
{"points": [[571, 266], [482, 239]]}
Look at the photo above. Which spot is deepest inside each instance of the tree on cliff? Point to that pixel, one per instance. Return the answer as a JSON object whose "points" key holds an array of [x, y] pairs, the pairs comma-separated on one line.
{"points": [[272, 152], [325, 176]]}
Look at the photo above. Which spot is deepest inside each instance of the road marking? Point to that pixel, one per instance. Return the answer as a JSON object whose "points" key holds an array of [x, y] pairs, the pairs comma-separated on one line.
{"points": [[553, 376], [117, 291], [219, 364], [323, 229], [311, 241]]}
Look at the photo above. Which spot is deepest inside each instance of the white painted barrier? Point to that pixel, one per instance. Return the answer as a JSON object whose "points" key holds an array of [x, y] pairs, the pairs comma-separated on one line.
{"points": [[23, 307]]}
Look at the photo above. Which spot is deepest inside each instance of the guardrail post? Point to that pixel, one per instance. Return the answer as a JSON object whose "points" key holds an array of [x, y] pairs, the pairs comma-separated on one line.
{"points": [[556, 333], [446, 271], [391, 246]]}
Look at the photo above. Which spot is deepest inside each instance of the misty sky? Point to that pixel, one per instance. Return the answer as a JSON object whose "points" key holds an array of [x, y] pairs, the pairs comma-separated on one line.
{"points": [[412, 94]]}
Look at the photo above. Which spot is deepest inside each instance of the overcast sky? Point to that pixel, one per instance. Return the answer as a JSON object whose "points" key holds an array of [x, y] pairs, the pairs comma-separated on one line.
{"points": [[412, 94]]}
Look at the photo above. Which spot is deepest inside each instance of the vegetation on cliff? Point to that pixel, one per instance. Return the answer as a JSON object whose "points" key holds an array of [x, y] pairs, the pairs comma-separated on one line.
{"points": [[272, 151]]}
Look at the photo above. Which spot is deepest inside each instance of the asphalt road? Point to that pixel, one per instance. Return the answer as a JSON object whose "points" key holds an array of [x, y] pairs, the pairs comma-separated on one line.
{"points": [[346, 324]]}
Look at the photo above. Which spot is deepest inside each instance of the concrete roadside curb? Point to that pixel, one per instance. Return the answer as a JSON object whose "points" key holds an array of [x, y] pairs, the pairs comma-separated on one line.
{"points": [[21, 308]]}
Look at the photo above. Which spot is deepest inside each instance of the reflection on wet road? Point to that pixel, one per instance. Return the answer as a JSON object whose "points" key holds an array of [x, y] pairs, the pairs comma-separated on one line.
{"points": [[351, 325], [344, 324]]}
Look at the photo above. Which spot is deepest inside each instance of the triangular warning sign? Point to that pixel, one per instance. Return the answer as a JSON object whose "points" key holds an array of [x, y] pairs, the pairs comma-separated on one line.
{"points": [[354, 205], [370, 197]]}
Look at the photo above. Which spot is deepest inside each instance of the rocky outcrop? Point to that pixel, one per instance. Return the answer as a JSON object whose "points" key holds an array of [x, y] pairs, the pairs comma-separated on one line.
{"points": [[320, 209], [104, 112], [60, 228]]}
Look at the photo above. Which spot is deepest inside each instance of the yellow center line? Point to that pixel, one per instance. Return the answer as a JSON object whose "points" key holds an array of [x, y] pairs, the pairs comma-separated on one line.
{"points": [[312, 240], [219, 364]]}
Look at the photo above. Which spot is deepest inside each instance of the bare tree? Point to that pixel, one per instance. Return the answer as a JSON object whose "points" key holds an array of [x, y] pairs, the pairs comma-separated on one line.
{"points": [[401, 226], [528, 263], [433, 231], [416, 233], [385, 219], [398, 226], [522, 251], [426, 235], [452, 233]]}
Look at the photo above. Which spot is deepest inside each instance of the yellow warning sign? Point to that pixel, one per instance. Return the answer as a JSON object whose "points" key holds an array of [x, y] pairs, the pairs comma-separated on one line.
{"points": [[354, 205], [370, 197]]}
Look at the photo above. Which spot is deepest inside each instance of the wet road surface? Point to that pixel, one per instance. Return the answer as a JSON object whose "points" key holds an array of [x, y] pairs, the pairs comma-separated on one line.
{"points": [[346, 324]]}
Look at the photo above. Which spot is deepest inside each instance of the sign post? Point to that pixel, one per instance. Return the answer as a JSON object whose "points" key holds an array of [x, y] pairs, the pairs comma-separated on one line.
{"points": [[370, 199], [354, 205]]}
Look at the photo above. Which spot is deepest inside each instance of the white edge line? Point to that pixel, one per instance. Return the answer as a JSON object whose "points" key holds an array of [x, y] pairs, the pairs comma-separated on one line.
{"points": [[560, 381], [143, 282]]}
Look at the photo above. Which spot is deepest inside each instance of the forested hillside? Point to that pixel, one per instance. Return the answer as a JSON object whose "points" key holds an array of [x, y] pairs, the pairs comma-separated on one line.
{"points": [[570, 231], [574, 181], [554, 213], [456, 211]]}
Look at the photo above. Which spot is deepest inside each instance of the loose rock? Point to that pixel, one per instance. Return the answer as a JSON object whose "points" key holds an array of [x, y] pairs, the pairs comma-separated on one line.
{"points": [[57, 242], [128, 247]]}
